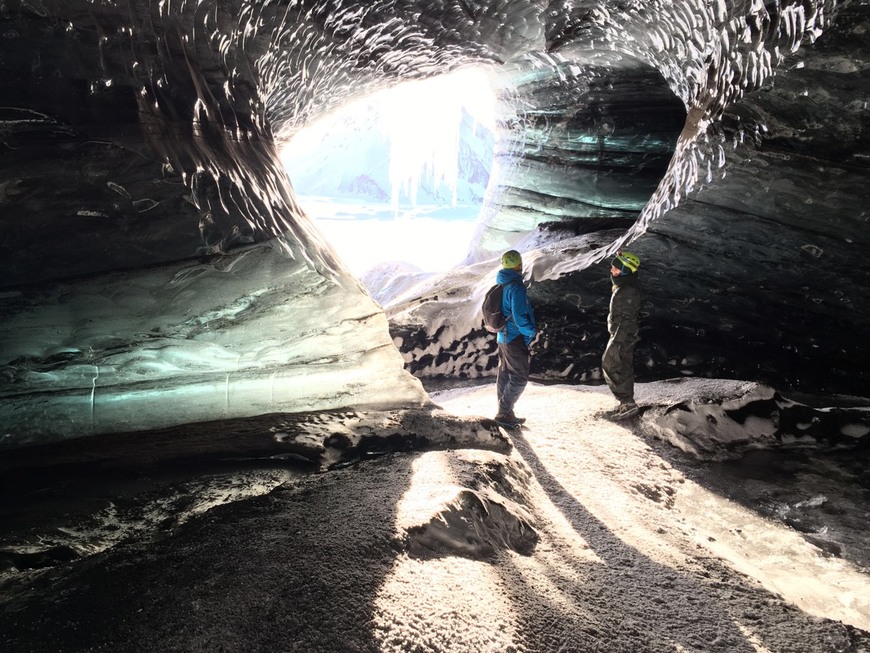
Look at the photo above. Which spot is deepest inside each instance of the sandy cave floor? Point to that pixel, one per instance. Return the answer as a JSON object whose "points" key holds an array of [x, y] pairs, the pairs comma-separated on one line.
{"points": [[586, 536]]}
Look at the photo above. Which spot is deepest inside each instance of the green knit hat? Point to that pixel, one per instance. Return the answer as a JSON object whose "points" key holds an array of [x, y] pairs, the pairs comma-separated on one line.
{"points": [[511, 259]]}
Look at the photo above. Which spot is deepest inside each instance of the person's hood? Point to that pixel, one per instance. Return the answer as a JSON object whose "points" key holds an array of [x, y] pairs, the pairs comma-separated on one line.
{"points": [[506, 276], [625, 279]]}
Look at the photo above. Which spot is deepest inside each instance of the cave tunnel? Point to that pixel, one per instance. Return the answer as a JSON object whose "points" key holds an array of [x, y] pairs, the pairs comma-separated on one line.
{"points": [[155, 253]]}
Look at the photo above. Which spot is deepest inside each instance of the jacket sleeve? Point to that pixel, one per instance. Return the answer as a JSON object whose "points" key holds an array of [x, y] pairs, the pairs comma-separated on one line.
{"points": [[521, 313]]}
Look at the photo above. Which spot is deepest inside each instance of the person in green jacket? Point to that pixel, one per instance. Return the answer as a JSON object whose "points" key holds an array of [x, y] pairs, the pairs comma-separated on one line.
{"points": [[617, 363]]}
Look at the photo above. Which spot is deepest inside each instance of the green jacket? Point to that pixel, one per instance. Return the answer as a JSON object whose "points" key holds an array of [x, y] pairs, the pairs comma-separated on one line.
{"points": [[625, 301]]}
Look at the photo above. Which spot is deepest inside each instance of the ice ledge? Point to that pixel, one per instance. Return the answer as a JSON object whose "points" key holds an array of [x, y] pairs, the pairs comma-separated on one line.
{"points": [[248, 333], [715, 419]]}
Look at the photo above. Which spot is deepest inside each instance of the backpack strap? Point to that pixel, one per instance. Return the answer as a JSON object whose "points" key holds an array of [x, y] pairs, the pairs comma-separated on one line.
{"points": [[510, 315]]}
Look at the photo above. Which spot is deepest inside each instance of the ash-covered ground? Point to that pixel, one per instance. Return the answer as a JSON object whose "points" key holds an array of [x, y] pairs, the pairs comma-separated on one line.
{"points": [[725, 518]]}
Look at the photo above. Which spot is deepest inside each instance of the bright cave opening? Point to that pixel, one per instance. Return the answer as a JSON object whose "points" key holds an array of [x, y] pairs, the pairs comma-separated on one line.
{"points": [[396, 180]]}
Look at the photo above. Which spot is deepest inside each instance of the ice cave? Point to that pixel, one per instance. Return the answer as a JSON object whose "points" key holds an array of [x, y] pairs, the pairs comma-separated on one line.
{"points": [[155, 255], [220, 211]]}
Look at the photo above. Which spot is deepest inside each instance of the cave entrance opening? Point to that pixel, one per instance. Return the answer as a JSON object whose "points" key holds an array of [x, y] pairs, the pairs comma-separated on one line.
{"points": [[396, 180]]}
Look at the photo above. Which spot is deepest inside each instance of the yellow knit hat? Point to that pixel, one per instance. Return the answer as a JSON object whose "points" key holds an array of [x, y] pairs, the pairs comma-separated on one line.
{"points": [[511, 259]]}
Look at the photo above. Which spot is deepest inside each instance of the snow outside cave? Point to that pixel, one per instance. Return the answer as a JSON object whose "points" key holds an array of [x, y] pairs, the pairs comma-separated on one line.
{"points": [[396, 180]]}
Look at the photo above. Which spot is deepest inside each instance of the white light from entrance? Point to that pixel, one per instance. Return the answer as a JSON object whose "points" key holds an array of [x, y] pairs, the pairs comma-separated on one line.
{"points": [[399, 176], [423, 121]]}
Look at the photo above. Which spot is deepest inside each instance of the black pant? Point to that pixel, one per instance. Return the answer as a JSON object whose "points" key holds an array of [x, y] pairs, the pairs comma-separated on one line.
{"points": [[617, 363], [514, 361]]}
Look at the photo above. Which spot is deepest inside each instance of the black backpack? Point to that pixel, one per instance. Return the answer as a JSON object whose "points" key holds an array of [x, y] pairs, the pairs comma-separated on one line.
{"points": [[493, 319]]}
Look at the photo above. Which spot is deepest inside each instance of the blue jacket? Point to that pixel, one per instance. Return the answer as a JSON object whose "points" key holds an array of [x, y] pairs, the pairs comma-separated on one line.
{"points": [[516, 307]]}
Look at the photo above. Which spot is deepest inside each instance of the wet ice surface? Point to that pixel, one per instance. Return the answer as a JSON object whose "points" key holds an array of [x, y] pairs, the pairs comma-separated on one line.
{"points": [[66, 519], [587, 535], [823, 497]]}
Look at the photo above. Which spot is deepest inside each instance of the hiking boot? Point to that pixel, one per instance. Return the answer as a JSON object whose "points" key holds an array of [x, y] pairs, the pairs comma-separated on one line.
{"points": [[625, 410], [512, 416], [508, 420], [509, 417]]}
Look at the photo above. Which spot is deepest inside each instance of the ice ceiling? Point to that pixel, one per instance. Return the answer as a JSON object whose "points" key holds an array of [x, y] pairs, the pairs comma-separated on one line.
{"points": [[157, 268]]}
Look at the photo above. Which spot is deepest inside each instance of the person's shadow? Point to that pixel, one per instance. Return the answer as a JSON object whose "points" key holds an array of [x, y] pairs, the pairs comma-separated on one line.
{"points": [[629, 602]]}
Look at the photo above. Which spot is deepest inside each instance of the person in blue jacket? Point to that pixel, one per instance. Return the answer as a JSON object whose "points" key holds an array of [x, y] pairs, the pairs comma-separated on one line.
{"points": [[514, 356]]}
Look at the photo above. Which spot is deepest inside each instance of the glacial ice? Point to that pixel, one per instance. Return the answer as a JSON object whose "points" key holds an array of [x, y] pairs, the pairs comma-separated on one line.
{"points": [[159, 268], [231, 336]]}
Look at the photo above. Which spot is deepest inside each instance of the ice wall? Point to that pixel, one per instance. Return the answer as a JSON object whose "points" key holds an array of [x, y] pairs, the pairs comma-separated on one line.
{"points": [[140, 139], [754, 241], [249, 333]]}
